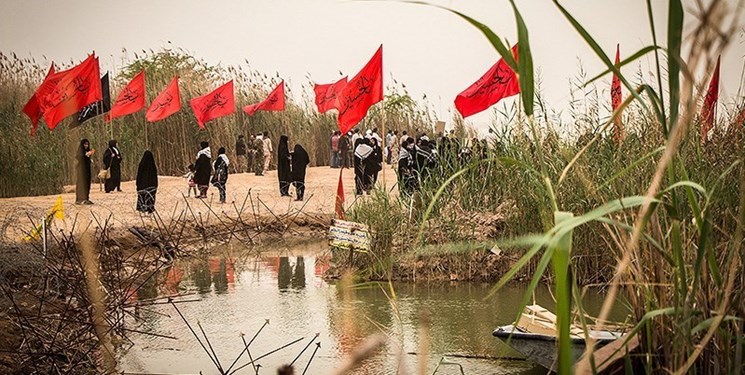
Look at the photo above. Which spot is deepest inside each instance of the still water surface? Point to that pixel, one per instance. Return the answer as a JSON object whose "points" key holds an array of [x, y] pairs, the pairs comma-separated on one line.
{"points": [[237, 293]]}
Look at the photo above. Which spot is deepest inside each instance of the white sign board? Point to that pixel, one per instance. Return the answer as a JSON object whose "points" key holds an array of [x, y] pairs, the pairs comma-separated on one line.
{"points": [[349, 235]]}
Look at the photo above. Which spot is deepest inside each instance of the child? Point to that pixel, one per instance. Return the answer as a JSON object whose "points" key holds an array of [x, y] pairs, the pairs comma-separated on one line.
{"points": [[190, 180]]}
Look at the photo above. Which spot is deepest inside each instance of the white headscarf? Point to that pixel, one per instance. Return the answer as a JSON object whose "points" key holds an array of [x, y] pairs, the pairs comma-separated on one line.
{"points": [[205, 151]]}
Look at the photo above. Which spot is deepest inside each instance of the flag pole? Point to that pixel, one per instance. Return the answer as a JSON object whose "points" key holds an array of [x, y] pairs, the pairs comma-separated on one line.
{"points": [[382, 127], [147, 144]]}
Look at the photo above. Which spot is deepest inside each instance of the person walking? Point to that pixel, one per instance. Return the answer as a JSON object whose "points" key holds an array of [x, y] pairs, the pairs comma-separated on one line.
{"points": [[83, 172], [362, 152], [300, 161], [283, 166], [258, 155], [220, 178], [147, 183], [335, 157], [393, 148], [374, 163], [344, 151], [204, 169], [241, 161], [112, 160], [268, 149]]}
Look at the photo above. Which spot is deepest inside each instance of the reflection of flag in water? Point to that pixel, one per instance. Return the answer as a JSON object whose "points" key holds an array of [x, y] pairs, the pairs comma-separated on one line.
{"points": [[56, 212], [95, 109], [173, 279]]}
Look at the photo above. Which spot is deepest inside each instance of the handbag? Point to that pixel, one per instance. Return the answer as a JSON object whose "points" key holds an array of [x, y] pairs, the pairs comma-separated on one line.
{"points": [[104, 174]]}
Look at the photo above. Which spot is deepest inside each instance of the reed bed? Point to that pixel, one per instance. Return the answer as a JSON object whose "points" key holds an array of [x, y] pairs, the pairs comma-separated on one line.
{"points": [[43, 164], [656, 219]]}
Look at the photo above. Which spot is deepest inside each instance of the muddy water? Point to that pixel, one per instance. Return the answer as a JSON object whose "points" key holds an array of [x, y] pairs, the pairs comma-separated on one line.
{"points": [[234, 294]]}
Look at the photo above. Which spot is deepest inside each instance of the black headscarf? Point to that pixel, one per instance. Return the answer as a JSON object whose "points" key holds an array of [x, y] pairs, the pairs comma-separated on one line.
{"points": [[300, 161], [112, 143], [147, 172], [283, 161], [82, 149], [283, 149]]}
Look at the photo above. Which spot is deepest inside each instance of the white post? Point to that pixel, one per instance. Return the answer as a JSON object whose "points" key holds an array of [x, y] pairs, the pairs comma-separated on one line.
{"points": [[44, 235]]}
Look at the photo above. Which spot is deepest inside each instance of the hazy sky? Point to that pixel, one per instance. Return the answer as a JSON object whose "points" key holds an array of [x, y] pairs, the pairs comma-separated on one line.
{"points": [[432, 51]]}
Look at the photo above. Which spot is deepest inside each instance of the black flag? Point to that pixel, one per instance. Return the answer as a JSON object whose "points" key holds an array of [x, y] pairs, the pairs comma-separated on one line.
{"points": [[94, 109]]}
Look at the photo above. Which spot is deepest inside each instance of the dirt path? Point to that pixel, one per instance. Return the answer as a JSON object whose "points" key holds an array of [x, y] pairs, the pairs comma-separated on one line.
{"points": [[321, 184]]}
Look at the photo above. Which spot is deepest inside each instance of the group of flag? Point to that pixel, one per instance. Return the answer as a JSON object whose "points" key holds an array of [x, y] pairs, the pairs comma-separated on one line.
{"points": [[79, 91]]}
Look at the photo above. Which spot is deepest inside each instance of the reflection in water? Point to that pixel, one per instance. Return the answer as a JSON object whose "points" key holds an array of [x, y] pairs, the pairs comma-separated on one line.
{"points": [[298, 277], [289, 277], [238, 295]]}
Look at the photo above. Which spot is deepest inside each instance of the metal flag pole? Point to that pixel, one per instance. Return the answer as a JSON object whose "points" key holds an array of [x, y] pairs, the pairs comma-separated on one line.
{"points": [[383, 141]]}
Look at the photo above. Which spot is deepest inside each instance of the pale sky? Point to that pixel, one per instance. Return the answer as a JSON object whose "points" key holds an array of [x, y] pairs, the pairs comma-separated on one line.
{"points": [[430, 50]]}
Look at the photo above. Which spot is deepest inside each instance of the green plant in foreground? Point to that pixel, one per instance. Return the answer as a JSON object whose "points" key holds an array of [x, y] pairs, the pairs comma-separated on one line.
{"points": [[677, 240]]}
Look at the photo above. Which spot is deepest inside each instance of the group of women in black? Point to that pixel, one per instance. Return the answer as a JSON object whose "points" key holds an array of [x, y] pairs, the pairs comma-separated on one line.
{"points": [[147, 175], [291, 168]]}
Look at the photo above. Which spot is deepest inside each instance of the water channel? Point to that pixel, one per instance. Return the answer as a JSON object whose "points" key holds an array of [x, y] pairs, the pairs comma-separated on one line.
{"points": [[232, 293]]}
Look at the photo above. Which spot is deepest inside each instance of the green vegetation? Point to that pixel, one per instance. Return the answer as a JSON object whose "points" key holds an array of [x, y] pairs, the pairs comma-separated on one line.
{"points": [[658, 219]]}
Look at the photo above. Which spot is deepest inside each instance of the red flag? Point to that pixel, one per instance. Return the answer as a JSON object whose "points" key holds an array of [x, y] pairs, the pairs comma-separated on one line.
{"points": [[131, 99], [166, 104], [361, 92], [710, 104], [615, 98], [340, 198], [326, 94], [32, 108], [76, 88], [274, 102], [218, 103], [498, 83]]}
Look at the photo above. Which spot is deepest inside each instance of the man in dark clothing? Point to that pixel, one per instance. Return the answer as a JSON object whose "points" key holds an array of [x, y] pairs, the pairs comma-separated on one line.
{"points": [[344, 150], [258, 155], [240, 155]]}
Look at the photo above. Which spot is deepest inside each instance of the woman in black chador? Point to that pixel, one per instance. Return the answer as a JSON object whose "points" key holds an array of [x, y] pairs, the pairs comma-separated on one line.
{"points": [[204, 169], [220, 179], [283, 166], [147, 183], [112, 160], [83, 169], [362, 174], [300, 161]]}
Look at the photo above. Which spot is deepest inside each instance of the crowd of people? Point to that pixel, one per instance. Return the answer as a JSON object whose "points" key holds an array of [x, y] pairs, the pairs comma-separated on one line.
{"points": [[413, 158], [205, 171]]}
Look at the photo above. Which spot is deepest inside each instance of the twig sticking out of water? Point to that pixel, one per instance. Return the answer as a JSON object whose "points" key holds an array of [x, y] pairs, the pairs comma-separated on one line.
{"points": [[318, 346]]}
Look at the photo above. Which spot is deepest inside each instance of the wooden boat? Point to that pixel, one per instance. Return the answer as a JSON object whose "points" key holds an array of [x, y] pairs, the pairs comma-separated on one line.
{"points": [[535, 336]]}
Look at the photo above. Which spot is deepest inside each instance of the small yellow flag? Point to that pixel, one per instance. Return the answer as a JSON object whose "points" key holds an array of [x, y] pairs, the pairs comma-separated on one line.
{"points": [[56, 212]]}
